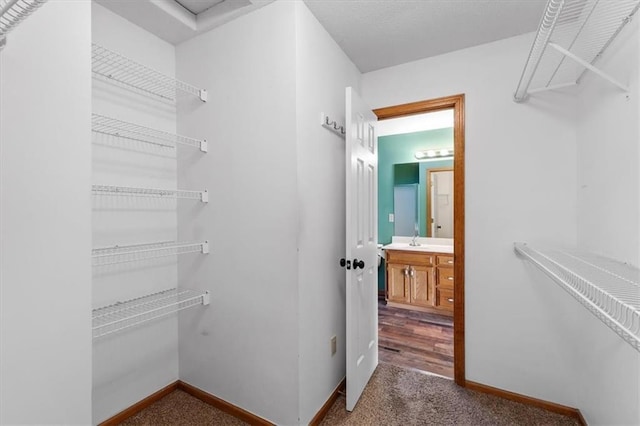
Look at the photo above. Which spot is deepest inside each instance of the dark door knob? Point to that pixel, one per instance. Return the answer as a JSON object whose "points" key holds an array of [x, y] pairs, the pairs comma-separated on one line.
{"points": [[358, 264], [344, 262]]}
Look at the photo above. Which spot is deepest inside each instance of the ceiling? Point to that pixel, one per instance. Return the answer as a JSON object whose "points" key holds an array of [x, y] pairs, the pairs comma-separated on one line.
{"points": [[373, 33], [198, 6], [381, 33]]}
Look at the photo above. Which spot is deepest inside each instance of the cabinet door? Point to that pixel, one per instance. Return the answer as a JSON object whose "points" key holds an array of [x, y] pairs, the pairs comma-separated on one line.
{"points": [[397, 288], [421, 279]]}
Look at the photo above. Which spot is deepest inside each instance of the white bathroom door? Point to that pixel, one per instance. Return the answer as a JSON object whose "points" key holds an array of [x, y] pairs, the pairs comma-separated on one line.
{"points": [[361, 245], [443, 204]]}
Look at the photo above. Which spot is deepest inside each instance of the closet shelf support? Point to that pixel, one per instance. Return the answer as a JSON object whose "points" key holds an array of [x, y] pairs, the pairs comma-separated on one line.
{"points": [[590, 67], [572, 36]]}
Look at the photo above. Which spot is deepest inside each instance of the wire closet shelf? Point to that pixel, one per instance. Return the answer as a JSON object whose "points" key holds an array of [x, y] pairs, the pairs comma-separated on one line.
{"points": [[123, 315], [141, 252], [121, 129], [129, 73], [12, 12], [110, 190], [571, 37], [607, 288]]}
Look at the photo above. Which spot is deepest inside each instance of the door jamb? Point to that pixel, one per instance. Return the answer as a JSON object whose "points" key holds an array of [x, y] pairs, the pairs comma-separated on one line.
{"points": [[455, 102]]}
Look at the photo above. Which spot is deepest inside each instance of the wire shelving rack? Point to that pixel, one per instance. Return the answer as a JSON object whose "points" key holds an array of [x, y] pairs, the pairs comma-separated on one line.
{"points": [[131, 74], [110, 190], [609, 289], [571, 37], [125, 130], [123, 315], [141, 252], [12, 12]]}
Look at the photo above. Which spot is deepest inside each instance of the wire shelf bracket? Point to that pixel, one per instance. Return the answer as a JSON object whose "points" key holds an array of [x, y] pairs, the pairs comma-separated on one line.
{"points": [[609, 289], [125, 130], [133, 75], [12, 12], [578, 32], [331, 125], [142, 252], [127, 314], [202, 196]]}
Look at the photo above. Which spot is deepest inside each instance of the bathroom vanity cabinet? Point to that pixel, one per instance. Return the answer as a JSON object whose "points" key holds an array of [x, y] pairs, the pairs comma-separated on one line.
{"points": [[420, 280]]}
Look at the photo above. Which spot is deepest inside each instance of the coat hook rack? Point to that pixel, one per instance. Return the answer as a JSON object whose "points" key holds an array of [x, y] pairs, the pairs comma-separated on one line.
{"points": [[332, 125]]}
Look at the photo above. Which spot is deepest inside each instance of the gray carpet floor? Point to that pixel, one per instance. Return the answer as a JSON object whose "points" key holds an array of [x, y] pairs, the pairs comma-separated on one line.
{"points": [[398, 396], [394, 396]]}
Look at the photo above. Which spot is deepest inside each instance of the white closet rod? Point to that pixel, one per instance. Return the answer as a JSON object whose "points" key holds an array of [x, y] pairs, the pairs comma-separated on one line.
{"points": [[141, 252], [122, 129], [130, 313], [118, 68], [150, 192], [609, 289]]}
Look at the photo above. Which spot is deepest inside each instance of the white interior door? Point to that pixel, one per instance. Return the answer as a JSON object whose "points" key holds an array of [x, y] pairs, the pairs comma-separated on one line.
{"points": [[361, 241], [443, 204]]}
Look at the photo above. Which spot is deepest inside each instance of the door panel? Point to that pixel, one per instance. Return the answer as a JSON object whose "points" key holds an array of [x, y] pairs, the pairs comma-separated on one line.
{"points": [[361, 240]]}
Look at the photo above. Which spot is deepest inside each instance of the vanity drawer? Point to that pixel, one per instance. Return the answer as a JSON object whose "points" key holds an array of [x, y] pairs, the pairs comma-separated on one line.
{"points": [[442, 260], [444, 298], [444, 277], [409, 258]]}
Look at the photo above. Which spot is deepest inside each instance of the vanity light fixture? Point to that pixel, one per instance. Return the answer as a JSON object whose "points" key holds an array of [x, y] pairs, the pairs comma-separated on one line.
{"points": [[434, 154]]}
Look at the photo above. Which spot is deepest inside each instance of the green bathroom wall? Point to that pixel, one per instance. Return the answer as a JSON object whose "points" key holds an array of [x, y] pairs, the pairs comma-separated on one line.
{"points": [[400, 149], [406, 174]]}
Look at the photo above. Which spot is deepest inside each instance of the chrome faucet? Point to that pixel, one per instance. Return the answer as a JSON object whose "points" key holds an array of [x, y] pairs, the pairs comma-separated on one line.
{"points": [[413, 242]]}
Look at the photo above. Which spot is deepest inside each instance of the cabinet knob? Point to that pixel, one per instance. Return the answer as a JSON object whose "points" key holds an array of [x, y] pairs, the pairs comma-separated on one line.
{"points": [[450, 300], [358, 264]]}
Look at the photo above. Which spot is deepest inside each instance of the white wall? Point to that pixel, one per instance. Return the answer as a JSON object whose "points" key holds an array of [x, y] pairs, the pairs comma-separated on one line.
{"points": [[608, 172], [322, 73], [45, 219], [132, 364], [243, 348], [520, 186], [609, 224]]}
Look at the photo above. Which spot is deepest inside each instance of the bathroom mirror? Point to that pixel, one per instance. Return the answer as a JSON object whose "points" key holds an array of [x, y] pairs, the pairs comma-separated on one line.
{"points": [[440, 202], [403, 195], [423, 199]]}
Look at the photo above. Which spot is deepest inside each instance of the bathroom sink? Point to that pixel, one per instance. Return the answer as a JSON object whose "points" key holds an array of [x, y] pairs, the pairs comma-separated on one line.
{"points": [[437, 248]]}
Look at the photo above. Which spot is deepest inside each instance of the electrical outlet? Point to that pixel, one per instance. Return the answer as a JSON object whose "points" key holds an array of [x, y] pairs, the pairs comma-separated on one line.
{"points": [[392, 218], [333, 345]]}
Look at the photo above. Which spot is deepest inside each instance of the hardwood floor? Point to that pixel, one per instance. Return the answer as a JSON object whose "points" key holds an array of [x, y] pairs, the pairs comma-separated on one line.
{"points": [[415, 339]]}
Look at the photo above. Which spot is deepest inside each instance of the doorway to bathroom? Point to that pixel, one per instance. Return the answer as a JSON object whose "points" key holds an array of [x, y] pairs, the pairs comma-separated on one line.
{"points": [[421, 279]]}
